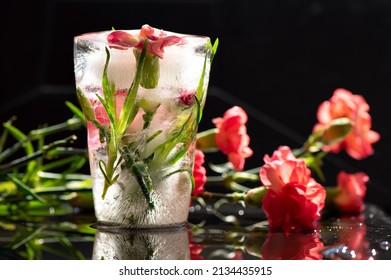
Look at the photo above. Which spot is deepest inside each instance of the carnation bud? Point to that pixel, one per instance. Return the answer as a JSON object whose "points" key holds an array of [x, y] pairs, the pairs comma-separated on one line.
{"points": [[85, 105], [150, 73], [337, 131], [255, 196], [206, 140], [334, 133], [148, 105]]}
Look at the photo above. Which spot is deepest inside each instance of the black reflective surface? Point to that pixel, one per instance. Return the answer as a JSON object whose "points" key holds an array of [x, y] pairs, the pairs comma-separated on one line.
{"points": [[231, 233]]}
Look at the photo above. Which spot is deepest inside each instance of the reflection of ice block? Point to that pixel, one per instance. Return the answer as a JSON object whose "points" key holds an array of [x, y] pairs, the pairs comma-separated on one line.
{"points": [[141, 245]]}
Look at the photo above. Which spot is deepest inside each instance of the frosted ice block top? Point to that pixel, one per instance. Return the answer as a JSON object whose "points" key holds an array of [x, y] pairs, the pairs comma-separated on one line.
{"points": [[181, 57]]}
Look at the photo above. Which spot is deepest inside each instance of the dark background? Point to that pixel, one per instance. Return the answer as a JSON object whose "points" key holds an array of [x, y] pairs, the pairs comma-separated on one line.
{"points": [[278, 59]]}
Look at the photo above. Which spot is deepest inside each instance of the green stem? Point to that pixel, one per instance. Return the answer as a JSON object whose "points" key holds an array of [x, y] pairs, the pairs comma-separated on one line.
{"points": [[140, 171], [110, 169], [254, 170], [55, 190], [331, 194], [214, 180], [233, 197], [71, 124], [4, 168], [245, 176]]}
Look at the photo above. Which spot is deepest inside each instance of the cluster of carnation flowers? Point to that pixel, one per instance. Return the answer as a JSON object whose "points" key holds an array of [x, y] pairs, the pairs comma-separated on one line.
{"points": [[292, 199]]}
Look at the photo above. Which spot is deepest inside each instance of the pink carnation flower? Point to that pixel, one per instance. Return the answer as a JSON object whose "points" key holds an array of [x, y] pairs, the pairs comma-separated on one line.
{"points": [[199, 172], [358, 143], [232, 138], [157, 40], [294, 200], [352, 192]]}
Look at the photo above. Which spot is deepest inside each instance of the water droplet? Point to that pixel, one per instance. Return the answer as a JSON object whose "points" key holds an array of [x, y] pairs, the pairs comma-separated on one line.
{"points": [[373, 252], [351, 254], [40, 241], [336, 252], [52, 211], [385, 245]]}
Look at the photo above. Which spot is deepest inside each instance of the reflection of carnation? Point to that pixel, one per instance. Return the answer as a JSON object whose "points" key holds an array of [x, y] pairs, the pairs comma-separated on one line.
{"points": [[344, 104], [352, 192], [294, 200], [292, 246], [195, 251], [232, 137], [353, 235]]}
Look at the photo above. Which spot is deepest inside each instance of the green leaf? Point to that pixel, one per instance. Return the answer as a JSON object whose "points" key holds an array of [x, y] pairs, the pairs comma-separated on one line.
{"points": [[182, 134], [153, 136], [26, 237], [199, 96], [3, 137], [190, 172], [179, 153], [73, 252], [20, 136], [108, 111], [199, 110], [26, 143], [129, 110], [102, 167], [214, 49], [75, 110], [109, 92], [25, 189]]}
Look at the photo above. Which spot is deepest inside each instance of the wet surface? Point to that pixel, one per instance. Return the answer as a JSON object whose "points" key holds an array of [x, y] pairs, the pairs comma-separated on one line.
{"points": [[363, 237], [230, 233]]}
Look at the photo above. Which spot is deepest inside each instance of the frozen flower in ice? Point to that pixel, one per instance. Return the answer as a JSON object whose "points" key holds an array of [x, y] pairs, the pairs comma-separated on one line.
{"points": [[187, 97], [100, 111], [122, 40], [157, 40], [231, 136]]}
